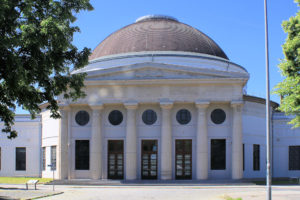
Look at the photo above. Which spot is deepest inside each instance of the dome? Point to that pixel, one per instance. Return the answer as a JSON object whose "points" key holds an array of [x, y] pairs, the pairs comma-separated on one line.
{"points": [[157, 33]]}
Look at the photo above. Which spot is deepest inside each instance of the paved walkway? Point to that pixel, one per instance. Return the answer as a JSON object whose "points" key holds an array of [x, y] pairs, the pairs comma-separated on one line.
{"points": [[20, 192], [151, 192]]}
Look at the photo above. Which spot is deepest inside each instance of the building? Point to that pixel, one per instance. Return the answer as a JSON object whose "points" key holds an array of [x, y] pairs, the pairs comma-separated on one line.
{"points": [[163, 102]]}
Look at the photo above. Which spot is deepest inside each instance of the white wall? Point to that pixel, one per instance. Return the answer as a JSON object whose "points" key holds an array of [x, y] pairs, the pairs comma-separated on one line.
{"points": [[284, 136], [29, 136], [50, 130]]}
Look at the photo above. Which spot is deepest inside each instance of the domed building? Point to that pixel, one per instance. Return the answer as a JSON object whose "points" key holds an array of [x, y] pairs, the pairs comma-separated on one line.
{"points": [[163, 101]]}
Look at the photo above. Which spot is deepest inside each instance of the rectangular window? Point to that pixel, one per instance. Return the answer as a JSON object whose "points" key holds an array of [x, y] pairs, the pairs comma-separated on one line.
{"points": [[294, 157], [256, 165], [53, 157], [243, 157], [44, 158], [0, 158], [218, 154], [20, 158], [82, 155]]}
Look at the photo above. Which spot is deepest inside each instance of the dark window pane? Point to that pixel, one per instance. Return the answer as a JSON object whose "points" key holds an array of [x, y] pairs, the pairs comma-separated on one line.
{"points": [[218, 116], [294, 157], [44, 158], [149, 117], [82, 155], [183, 116], [82, 117], [21, 158], [218, 154], [115, 117], [115, 159], [53, 157], [256, 165]]}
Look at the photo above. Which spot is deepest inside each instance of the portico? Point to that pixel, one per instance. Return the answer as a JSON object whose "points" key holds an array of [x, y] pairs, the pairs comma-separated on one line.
{"points": [[155, 114]]}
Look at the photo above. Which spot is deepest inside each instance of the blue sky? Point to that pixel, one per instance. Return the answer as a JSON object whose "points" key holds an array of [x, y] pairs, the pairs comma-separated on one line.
{"points": [[236, 25]]}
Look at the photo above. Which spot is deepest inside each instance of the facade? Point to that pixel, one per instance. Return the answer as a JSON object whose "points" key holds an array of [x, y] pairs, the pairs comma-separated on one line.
{"points": [[163, 102]]}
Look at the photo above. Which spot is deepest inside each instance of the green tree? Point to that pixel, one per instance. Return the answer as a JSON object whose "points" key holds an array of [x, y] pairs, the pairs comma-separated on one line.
{"points": [[289, 88], [37, 55]]}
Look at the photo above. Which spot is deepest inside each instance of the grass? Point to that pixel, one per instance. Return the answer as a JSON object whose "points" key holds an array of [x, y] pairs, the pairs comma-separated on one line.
{"points": [[22, 180], [226, 197]]}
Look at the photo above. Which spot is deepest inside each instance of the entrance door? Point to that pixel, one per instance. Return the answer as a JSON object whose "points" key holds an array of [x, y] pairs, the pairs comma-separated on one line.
{"points": [[149, 159], [183, 159], [115, 159]]}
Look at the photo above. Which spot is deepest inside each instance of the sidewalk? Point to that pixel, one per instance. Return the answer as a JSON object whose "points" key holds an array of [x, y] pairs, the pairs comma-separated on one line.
{"points": [[19, 192]]}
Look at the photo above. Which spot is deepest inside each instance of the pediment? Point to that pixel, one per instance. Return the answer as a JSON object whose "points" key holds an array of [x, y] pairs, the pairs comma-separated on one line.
{"points": [[157, 71]]}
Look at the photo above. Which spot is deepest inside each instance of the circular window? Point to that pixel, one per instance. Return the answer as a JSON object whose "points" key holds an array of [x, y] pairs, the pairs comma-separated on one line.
{"points": [[218, 116], [82, 117], [183, 116], [115, 117], [149, 117]]}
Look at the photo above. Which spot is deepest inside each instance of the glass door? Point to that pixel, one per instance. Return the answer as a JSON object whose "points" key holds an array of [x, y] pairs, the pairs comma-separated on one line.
{"points": [[149, 159], [183, 159], [115, 159]]}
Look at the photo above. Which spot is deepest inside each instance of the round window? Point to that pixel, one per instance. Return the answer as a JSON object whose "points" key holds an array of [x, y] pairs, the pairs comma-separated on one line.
{"points": [[149, 117], [82, 117], [183, 116], [218, 116], [115, 117]]}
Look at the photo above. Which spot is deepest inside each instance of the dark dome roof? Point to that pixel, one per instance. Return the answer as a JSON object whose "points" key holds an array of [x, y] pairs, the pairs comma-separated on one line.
{"points": [[157, 33]]}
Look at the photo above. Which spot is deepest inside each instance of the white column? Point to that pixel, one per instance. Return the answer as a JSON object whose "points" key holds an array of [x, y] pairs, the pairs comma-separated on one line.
{"points": [[237, 140], [96, 143], [201, 142], [166, 141], [131, 142], [70, 166], [62, 158]]}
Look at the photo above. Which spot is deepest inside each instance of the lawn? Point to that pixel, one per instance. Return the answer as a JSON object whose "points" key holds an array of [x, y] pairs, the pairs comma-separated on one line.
{"points": [[22, 180]]}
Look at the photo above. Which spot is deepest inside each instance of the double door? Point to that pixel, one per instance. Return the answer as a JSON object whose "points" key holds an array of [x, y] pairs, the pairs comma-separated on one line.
{"points": [[149, 159], [183, 159], [115, 159]]}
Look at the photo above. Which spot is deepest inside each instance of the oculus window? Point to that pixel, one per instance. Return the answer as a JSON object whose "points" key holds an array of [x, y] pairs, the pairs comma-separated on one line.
{"points": [[218, 154], [256, 165], [82, 117], [82, 155], [115, 117], [294, 157], [20, 158], [218, 116], [183, 116], [149, 117]]}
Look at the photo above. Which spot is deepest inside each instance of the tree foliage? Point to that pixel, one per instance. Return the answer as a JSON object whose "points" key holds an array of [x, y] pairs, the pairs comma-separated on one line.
{"points": [[37, 54], [289, 88]]}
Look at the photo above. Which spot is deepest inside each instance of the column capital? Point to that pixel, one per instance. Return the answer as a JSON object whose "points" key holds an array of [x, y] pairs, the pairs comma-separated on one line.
{"points": [[166, 104], [98, 106], [131, 105], [202, 104], [237, 105], [64, 107]]}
